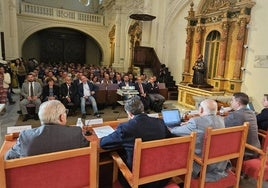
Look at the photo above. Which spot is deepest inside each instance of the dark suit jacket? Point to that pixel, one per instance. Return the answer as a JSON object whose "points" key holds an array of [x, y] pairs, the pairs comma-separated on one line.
{"points": [[262, 119], [123, 84], [141, 126], [56, 92], [138, 88], [64, 90], [150, 88], [47, 139], [91, 86]]}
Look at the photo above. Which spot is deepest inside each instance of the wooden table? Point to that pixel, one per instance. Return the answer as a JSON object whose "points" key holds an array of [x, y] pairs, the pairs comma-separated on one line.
{"points": [[103, 156]]}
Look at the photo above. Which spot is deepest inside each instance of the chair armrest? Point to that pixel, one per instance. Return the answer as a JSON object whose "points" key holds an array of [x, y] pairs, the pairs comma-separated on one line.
{"points": [[263, 135], [262, 131], [122, 166], [198, 160], [255, 149]]}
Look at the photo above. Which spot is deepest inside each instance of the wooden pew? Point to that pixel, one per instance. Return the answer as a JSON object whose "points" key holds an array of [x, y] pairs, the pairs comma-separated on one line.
{"points": [[163, 90]]}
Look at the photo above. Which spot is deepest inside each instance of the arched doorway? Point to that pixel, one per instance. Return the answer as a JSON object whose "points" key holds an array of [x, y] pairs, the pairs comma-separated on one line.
{"points": [[62, 45]]}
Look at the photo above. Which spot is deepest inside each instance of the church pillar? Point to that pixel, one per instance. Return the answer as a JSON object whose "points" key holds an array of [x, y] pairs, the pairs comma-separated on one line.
{"points": [[10, 29], [118, 60], [223, 48], [240, 42]]}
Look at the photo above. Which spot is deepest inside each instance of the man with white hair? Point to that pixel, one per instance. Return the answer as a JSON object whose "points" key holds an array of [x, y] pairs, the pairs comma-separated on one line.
{"points": [[207, 118], [53, 134]]}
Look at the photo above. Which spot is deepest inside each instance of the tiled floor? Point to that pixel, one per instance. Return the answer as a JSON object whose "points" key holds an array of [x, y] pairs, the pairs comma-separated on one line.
{"points": [[10, 117]]}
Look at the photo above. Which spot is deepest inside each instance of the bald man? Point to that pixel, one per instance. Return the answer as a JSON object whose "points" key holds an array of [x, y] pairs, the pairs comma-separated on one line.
{"points": [[207, 118]]}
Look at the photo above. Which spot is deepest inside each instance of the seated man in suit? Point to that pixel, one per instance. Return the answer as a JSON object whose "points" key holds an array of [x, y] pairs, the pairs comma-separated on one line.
{"points": [[53, 135], [69, 95], [86, 90], [242, 114], [126, 82], [208, 118], [141, 88], [140, 125], [31, 92], [262, 118], [156, 99], [51, 91]]}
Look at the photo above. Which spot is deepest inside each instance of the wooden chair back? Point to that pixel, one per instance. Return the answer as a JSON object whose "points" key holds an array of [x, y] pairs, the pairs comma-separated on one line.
{"points": [[70, 168], [257, 168], [220, 145], [159, 159]]}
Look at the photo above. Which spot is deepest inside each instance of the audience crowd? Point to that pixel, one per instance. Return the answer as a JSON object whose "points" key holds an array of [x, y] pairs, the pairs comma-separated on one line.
{"points": [[75, 85], [54, 88]]}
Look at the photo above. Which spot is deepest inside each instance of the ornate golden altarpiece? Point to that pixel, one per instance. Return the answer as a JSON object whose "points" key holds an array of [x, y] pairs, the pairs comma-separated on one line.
{"points": [[218, 30]]}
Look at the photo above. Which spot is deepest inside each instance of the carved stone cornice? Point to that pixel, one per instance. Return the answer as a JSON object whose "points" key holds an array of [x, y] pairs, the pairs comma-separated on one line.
{"points": [[214, 11], [215, 5]]}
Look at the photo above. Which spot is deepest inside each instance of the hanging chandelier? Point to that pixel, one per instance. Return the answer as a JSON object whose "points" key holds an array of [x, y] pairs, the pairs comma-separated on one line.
{"points": [[85, 2]]}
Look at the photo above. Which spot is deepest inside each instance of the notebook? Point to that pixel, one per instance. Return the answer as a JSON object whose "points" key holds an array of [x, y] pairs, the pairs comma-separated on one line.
{"points": [[171, 117]]}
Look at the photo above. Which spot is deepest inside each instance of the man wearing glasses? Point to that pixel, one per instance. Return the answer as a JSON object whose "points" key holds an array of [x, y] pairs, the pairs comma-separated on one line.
{"points": [[53, 134]]}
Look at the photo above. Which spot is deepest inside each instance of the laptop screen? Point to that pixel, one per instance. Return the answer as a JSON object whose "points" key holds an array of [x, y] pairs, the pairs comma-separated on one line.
{"points": [[171, 117]]}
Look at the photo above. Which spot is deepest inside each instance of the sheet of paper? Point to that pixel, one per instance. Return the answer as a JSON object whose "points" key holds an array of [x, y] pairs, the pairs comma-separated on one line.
{"points": [[17, 129], [94, 121], [103, 131], [155, 115]]}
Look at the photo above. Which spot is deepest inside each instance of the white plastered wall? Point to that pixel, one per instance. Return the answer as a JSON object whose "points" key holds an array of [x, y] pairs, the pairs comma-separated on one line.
{"points": [[255, 78]]}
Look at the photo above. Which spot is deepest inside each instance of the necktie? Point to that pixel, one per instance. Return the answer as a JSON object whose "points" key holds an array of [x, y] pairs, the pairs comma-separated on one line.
{"points": [[31, 88], [141, 89], [68, 94]]}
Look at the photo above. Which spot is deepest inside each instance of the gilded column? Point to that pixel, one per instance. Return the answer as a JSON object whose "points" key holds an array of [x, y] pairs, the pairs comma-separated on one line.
{"points": [[240, 42], [198, 40], [223, 48], [188, 50]]}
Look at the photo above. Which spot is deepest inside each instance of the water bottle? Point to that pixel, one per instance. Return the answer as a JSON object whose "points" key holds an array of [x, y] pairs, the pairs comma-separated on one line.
{"points": [[222, 111], [79, 123]]}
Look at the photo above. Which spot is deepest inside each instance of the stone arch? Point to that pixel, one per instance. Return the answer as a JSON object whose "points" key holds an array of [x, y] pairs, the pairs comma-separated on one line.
{"points": [[29, 27]]}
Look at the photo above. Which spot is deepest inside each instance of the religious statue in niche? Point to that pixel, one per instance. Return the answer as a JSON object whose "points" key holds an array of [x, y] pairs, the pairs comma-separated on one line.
{"points": [[200, 70]]}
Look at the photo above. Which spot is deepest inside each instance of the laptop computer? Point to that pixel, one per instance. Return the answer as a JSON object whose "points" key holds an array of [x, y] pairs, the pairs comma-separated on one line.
{"points": [[171, 117]]}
